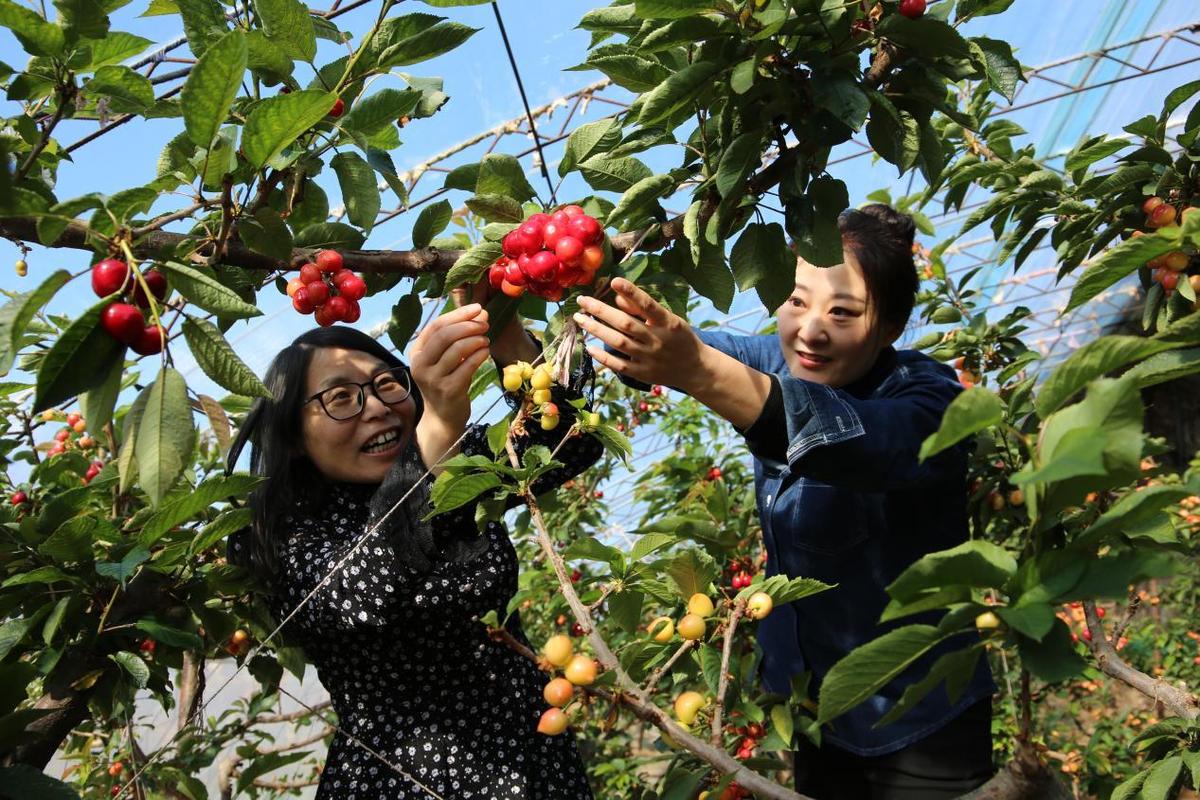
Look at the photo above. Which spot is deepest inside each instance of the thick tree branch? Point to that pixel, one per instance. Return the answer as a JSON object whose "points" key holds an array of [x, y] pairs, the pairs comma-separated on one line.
{"points": [[1179, 702]]}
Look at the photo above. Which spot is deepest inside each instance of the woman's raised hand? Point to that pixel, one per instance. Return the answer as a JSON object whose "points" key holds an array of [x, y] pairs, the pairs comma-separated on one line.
{"points": [[656, 344], [445, 356]]}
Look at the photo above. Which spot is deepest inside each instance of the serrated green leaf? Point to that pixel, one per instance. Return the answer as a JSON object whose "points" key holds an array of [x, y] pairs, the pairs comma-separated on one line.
{"points": [[359, 192], [641, 195], [288, 24], [971, 412], [81, 359], [129, 91], [677, 92], [165, 434], [613, 174], [206, 292], [17, 313], [502, 174], [203, 23], [1117, 262], [871, 666], [381, 110], [332, 235], [588, 140], [451, 491], [36, 35], [406, 316], [496, 207], [134, 666], [276, 122], [432, 220], [267, 233], [212, 86], [762, 259], [219, 361]]}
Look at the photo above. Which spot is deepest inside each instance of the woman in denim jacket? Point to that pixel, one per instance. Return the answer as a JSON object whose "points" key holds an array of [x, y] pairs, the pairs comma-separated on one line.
{"points": [[835, 417]]}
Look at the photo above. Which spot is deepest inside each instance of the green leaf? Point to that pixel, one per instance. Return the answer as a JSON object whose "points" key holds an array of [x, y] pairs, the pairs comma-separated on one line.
{"points": [[359, 191], [868, 668], [972, 411], [203, 23], [955, 669], [677, 92], [640, 195], [588, 140], [429, 43], [1054, 658], [332, 235], [206, 292], [627, 70], [124, 569], [191, 502], [81, 359], [692, 571], [137, 669], [276, 122], [672, 9], [1094, 359], [406, 316], [380, 110], [432, 220], [496, 208], [762, 259], [625, 608], [503, 175], [1133, 510], [212, 86], [1035, 620], [927, 37], [613, 174], [36, 35], [1117, 262], [976, 563], [17, 313], [97, 404], [169, 636], [842, 97], [797, 589], [165, 435], [1002, 68], [72, 540], [115, 48], [130, 91], [981, 8], [289, 25], [266, 56], [1177, 97], [472, 264], [650, 543], [267, 233], [1165, 367], [219, 361], [590, 549], [738, 161], [1102, 148], [451, 491]]}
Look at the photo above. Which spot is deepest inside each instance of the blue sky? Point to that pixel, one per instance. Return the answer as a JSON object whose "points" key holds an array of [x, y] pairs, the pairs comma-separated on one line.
{"points": [[483, 94]]}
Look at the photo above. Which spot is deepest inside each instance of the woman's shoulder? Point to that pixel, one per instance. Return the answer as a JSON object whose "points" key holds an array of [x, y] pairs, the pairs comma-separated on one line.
{"points": [[913, 366]]}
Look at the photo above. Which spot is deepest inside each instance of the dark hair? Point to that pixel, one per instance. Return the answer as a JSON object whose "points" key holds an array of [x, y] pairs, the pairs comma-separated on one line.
{"points": [[272, 427], [881, 239]]}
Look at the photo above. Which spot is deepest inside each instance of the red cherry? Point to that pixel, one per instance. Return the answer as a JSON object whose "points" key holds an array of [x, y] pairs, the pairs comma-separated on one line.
{"points": [[552, 233], [300, 301], [123, 322], [576, 575], [524, 240], [18, 498], [72, 418], [148, 645], [656, 390], [352, 288], [353, 312], [912, 9], [318, 292], [324, 316], [511, 290], [150, 342], [158, 287], [538, 220], [542, 267], [572, 210], [62, 435], [598, 494], [109, 276], [495, 275], [56, 448], [513, 274], [329, 261], [309, 273], [338, 307], [714, 474], [1087, 635], [339, 106], [569, 249], [585, 229], [553, 295], [1169, 280]]}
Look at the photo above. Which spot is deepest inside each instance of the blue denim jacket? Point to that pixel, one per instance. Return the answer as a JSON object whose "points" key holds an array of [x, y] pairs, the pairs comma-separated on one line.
{"points": [[851, 506]]}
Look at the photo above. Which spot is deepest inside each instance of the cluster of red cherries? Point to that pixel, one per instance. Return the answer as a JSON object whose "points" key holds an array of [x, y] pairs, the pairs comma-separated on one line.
{"points": [[124, 320], [549, 253], [742, 572], [327, 290]]}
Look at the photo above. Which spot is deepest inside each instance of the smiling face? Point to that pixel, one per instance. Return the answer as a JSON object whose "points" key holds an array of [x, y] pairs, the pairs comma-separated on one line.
{"points": [[346, 450], [827, 327]]}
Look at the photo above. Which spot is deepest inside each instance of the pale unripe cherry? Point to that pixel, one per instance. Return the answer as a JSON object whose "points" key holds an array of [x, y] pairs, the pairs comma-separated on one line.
{"points": [[541, 379], [987, 621], [512, 379], [687, 706], [541, 396], [700, 605], [581, 670], [661, 629], [553, 722], [558, 650], [759, 605], [558, 692], [691, 627]]}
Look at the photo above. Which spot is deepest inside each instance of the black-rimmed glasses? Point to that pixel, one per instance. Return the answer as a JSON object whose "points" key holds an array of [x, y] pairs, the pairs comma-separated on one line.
{"points": [[346, 400]]}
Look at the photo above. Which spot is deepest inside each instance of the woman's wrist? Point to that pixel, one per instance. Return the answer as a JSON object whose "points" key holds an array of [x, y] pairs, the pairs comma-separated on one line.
{"points": [[514, 344], [438, 435]]}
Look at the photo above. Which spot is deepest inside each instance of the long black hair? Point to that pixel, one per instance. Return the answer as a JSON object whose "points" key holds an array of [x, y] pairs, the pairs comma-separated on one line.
{"points": [[272, 427]]}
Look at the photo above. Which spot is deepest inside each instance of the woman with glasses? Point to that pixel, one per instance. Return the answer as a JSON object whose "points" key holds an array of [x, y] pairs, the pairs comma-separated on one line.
{"points": [[389, 601]]}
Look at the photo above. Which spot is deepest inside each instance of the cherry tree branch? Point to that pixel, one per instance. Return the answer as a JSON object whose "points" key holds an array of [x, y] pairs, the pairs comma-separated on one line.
{"points": [[1179, 701], [739, 608], [663, 669]]}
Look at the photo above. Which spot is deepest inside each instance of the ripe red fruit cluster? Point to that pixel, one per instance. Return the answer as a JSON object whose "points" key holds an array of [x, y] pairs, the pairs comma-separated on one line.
{"points": [[124, 320], [148, 646], [19, 498], [93, 470], [548, 253], [750, 735], [913, 9], [328, 290], [1170, 268], [714, 474]]}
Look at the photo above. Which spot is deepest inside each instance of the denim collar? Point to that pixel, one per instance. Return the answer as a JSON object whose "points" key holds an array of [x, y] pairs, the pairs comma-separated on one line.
{"points": [[884, 365]]}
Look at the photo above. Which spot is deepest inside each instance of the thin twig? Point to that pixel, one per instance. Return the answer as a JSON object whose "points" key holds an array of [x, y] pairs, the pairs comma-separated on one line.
{"points": [[664, 668], [739, 608]]}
